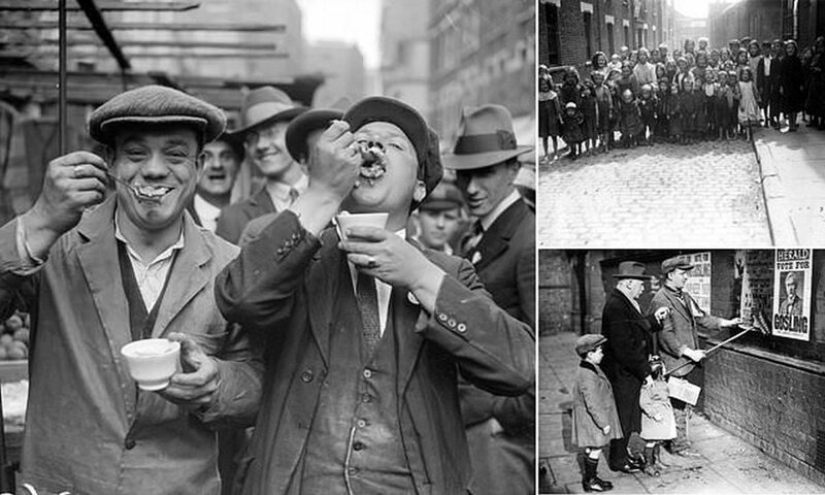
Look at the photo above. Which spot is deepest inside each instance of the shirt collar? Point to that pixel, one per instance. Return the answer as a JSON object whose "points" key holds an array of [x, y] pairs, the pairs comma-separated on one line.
{"points": [[281, 190], [488, 219], [167, 253]]}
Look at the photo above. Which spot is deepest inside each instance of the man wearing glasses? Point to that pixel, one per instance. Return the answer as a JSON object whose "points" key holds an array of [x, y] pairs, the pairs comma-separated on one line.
{"points": [[266, 113]]}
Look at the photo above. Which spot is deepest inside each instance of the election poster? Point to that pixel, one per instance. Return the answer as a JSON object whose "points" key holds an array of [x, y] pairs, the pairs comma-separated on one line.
{"points": [[698, 285], [792, 293]]}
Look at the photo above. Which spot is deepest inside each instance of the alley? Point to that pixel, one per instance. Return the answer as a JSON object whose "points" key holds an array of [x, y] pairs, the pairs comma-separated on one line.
{"points": [[727, 464]]}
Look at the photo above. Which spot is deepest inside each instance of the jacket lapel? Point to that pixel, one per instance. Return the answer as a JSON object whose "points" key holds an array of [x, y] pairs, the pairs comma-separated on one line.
{"points": [[497, 238], [261, 203], [99, 262], [324, 278], [405, 315], [188, 276]]}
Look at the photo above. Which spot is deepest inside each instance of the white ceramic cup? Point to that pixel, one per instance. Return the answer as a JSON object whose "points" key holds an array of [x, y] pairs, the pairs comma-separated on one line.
{"points": [[152, 362], [348, 220]]}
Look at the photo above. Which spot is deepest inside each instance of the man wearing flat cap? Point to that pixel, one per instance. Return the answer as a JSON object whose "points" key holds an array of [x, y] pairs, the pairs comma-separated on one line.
{"points": [[438, 218], [501, 247], [265, 115], [366, 335], [629, 341], [679, 338], [98, 273]]}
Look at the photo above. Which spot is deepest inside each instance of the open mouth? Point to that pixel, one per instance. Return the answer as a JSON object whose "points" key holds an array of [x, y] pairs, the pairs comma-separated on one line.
{"points": [[154, 194], [374, 165]]}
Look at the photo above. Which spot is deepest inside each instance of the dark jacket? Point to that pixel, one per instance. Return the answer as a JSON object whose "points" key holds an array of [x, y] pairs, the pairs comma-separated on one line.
{"points": [[234, 218], [283, 286]]}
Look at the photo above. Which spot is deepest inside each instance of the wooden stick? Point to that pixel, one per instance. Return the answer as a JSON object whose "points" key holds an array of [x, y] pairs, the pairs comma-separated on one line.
{"points": [[717, 346]]}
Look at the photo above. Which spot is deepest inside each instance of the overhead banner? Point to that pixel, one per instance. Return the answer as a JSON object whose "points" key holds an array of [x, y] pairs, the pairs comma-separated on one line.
{"points": [[792, 293]]}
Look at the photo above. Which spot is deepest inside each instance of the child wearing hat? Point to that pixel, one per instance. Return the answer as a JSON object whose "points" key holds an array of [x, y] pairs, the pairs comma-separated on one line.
{"points": [[595, 419], [658, 423], [573, 134]]}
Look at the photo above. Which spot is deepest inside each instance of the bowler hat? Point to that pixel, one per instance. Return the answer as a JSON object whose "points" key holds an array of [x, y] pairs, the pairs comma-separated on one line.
{"points": [[423, 139], [309, 121], [631, 269], [445, 196], [265, 105], [156, 105], [589, 342], [485, 138], [675, 262]]}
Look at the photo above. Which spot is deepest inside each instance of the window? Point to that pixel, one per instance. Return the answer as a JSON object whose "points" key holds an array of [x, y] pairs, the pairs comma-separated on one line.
{"points": [[551, 15], [627, 36], [588, 33], [611, 40]]}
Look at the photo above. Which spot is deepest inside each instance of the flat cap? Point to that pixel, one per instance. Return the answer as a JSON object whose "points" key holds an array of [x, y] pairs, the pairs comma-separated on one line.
{"points": [[156, 105], [445, 196], [423, 139], [681, 262], [589, 342]]}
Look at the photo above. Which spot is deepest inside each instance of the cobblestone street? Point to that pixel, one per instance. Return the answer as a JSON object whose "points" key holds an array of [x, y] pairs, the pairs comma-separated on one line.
{"points": [[703, 195]]}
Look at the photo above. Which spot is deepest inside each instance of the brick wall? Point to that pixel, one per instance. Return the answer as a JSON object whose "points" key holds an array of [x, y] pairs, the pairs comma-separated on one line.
{"points": [[555, 293], [775, 406]]}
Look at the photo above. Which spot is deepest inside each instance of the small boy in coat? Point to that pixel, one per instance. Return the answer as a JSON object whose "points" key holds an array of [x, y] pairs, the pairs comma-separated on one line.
{"points": [[658, 423], [595, 419]]}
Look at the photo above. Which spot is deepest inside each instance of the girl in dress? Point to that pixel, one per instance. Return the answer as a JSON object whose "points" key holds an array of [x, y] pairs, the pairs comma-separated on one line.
{"points": [[709, 93], [658, 422], [590, 113], [662, 120], [748, 103], [732, 104], [647, 105], [549, 115], [674, 113], [631, 120], [604, 109]]}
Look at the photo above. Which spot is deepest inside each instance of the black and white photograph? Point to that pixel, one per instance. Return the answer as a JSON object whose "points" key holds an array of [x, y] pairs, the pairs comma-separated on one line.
{"points": [[267, 247]]}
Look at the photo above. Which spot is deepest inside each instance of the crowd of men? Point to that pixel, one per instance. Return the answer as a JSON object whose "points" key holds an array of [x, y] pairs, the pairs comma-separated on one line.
{"points": [[692, 94], [395, 360]]}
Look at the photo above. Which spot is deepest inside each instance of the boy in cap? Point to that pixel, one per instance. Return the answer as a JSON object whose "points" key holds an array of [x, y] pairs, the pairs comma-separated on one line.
{"points": [[366, 335], [501, 247], [98, 273], [265, 116], [438, 219], [679, 338], [595, 420]]}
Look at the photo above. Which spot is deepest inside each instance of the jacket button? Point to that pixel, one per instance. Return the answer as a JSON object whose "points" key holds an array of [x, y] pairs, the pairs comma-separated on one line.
{"points": [[366, 398], [461, 328], [361, 423], [367, 373], [358, 446], [442, 317], [129, 443], [306, 376], [451, 323]]}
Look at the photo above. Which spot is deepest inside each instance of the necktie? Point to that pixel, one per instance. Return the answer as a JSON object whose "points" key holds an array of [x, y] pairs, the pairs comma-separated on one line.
{"points": [[473, 237], [368, 305], [293, 195]]}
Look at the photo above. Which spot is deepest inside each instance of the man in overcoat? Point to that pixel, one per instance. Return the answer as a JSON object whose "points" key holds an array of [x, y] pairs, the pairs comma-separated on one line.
{"points": [[501, 246], [679, 338], [366, 336], [629, 333], [98, 273]]}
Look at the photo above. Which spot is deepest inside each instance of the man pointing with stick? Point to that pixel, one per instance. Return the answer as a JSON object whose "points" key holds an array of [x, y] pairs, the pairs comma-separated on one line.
{"points": [[679, 339]]}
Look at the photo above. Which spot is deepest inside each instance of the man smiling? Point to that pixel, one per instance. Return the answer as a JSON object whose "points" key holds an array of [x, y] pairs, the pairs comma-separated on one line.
{"points": [[99, 274], [366, 336], [266, 114], [222, 158]]}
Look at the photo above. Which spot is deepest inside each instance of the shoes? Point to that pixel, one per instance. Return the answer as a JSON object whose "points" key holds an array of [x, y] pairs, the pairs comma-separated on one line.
{"points": [[688, 452], [597, 485], [627, 468]]}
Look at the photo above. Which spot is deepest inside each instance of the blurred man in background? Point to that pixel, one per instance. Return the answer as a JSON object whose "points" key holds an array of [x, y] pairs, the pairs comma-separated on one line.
{"points": [[221, 161]]}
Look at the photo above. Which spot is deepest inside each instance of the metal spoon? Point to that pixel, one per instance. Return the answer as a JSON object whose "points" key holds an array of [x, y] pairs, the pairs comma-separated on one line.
{"points": [[131, 187]]}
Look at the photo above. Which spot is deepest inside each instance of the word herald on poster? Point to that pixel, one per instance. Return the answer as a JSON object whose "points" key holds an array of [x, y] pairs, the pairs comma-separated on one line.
{"points": [[792, 293]]}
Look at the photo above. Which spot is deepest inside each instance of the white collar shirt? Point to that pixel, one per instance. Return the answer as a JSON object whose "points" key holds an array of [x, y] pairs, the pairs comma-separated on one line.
{"points": [[282, 195], [207, 213], [150, 276]]}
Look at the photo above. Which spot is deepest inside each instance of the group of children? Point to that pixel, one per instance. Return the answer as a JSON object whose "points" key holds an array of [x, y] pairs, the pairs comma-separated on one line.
{"points": [[596, 420], [691, 96]]}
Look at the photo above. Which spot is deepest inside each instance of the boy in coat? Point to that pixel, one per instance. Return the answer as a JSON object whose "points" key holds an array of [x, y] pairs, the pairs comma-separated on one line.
{"points": [[365, 335], [595, 420], [99, 273]]}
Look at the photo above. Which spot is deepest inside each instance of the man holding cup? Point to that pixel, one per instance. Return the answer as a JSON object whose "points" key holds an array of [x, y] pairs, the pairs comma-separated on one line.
{"points": [[366, 335], [98, 273]]}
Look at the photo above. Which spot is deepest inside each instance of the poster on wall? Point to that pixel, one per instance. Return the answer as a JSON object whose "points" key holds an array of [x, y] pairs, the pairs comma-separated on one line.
{"points": [[792, 293], [698, 285]]}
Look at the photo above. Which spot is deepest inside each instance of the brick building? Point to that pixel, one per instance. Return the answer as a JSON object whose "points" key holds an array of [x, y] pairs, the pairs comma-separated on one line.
{"points": [[482, 51], [766, 389], [802, 20], [571, 31], [689, 28]]}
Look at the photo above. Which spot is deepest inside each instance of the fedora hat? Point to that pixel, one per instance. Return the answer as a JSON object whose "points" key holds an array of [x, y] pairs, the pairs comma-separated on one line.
{"points": [[631, 269], [309, 121], [266, 105], [485, 138]]}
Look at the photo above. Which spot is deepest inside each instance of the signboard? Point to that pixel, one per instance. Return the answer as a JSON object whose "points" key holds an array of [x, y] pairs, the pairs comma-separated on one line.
{"points": [[792, 293], [755, 267], [698, 285]]}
